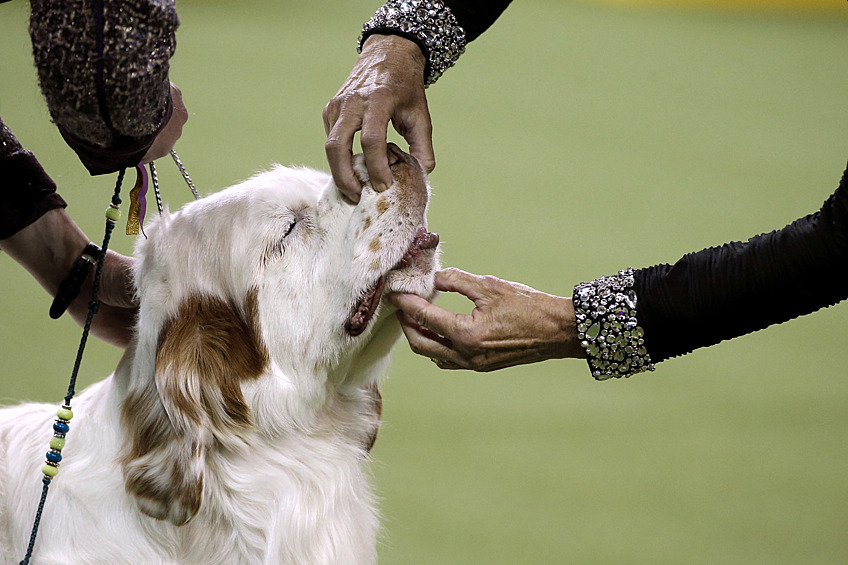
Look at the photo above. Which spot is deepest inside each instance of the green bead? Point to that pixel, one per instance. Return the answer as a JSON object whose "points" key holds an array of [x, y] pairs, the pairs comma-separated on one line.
{"points": [[65, 414], [50, 470], [57, 443], [113, 214]]}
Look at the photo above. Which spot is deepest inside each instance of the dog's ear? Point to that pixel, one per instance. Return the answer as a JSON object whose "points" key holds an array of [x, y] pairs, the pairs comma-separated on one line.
{"points": [[192, 404]]}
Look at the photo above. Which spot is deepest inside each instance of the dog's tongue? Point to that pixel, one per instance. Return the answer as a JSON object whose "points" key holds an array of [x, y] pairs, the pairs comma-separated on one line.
{"points": [[365, 308], [422, 240]]}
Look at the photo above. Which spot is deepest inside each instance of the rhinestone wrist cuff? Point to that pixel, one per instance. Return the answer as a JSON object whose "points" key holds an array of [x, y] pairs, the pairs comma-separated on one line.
{"points": [[608, 327], [430, 23]]}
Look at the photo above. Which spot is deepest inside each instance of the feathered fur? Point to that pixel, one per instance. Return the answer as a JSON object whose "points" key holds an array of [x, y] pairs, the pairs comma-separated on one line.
{"points": [[237, 426]]}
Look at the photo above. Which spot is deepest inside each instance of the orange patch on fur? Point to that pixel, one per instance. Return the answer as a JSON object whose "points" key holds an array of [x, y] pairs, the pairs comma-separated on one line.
{"points": [[375, 245], [211, 341], [383, 205], [204, 355]]}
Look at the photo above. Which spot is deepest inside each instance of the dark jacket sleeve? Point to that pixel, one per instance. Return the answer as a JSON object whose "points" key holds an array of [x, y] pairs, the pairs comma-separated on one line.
{"points": [[26, 192], [103, 67], [476, 16], [728, 291]]}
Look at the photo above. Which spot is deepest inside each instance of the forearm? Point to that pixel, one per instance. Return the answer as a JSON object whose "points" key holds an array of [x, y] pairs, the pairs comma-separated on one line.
{"points": [[651, 314], [47, 248], [738, 288]]}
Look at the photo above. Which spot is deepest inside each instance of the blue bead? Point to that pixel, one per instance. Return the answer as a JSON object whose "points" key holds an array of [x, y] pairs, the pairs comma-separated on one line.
{"points": [[61, 427], [54, 457]]}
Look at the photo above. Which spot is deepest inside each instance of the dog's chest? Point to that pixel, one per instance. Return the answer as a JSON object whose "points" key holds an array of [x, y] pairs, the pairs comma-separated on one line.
{"points": [[297, 500]]}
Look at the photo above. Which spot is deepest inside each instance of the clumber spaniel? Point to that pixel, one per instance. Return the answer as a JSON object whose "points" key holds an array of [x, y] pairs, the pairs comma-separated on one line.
{"points": [[237, 426]]}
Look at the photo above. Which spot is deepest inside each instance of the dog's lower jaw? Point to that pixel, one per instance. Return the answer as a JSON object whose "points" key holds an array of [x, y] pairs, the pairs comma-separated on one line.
{"points": [[364, 309]]}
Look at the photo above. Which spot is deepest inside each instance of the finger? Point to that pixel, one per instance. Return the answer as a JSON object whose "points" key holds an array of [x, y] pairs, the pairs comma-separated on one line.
{"points": [[407, 321], [421, 343], [420, 139], [330, 116], [116, 284], [429, 315], [442, 364], [374, 148], [340, 157], [469, 285], [178, 103]]}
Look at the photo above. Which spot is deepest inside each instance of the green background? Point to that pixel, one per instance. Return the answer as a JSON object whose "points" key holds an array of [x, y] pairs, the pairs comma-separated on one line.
{"points": [[572, 139]]}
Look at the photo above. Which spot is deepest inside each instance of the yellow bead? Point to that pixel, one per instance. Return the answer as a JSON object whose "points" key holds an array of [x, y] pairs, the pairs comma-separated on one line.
{"points": [[57, 443], [113, 214], [65, 414], [50, 470]]}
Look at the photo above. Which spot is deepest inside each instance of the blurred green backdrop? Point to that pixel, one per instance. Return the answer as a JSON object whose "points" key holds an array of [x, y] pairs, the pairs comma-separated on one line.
{"points": [[572, 139]]}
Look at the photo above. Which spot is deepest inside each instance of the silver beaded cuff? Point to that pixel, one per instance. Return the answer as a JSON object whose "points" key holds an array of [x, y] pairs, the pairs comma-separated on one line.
{"points": [[608, 327], [429, 22]]}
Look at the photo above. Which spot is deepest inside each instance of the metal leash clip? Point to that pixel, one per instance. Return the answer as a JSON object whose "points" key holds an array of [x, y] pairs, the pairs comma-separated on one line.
{"points": [[138, 195]]}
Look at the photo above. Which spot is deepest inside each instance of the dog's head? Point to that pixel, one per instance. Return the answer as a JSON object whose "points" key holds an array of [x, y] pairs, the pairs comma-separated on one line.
{"points": [[253, 303]]}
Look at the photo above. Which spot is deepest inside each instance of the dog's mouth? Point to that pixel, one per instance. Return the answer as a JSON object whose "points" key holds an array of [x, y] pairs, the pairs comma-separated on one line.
{"points": [[363, 310]]}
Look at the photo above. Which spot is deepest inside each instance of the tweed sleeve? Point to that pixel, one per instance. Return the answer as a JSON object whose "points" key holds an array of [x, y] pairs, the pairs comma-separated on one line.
{"points": [[26, 192], [103, 68]]}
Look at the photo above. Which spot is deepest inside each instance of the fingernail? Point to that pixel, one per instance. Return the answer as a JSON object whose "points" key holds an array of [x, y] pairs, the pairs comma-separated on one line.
{"points": [[381, 187], [352, 195]]}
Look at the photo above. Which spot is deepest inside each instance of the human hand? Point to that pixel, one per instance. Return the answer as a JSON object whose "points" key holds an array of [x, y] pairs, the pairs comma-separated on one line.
{"points": [[117, 309], [172, 131], [511, 324], [49, 247], [386, 84]]}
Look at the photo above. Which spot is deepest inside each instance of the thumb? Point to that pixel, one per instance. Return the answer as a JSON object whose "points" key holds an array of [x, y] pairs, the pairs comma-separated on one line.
{"points": [[420, 140], [474, 287]]}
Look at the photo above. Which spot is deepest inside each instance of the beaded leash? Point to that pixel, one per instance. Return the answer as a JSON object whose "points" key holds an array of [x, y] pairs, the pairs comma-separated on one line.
{"points": [[61, 426]]}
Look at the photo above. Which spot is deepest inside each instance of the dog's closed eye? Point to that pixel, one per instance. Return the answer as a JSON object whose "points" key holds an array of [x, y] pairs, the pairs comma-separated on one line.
{"points": [[290, 228], [275, 248]]}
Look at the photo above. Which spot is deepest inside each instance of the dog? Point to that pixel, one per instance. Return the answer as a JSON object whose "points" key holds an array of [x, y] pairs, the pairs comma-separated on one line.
{"points": [[238, 424]]}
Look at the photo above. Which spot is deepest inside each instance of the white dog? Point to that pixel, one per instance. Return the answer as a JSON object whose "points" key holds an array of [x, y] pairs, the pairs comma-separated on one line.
{"points": [[237, 426]]}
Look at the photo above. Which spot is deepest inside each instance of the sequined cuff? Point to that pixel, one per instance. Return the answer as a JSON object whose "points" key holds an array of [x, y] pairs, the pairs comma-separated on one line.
{"points": [[608, 327], [429, 23]]}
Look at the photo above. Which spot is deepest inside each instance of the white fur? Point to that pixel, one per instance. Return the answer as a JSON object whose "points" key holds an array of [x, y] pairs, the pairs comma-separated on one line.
{"points": [[292, 485]]}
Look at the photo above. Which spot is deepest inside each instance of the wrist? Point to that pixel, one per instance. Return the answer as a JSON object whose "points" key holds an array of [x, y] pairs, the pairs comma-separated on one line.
{"points": [[394, 44], [608, 326], [397, 52], [569, 347], [433, 27]]}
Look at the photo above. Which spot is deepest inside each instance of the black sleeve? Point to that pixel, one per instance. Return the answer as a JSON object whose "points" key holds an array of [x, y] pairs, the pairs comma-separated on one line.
{"points": [[26, 192], [476, 16], [728, 291]]}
